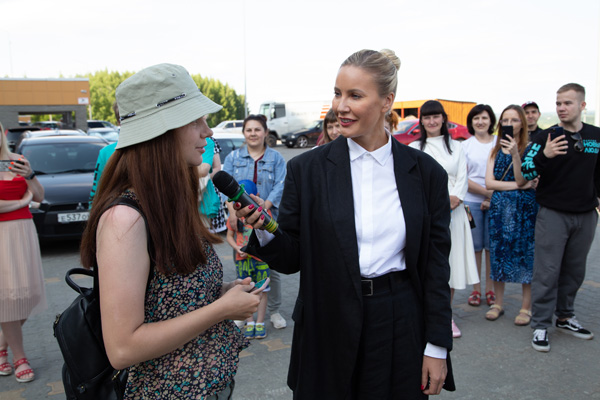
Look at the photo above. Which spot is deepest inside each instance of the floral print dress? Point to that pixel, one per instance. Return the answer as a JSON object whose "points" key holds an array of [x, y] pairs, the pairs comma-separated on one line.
{"points": [[206, 364], [512, 217]]}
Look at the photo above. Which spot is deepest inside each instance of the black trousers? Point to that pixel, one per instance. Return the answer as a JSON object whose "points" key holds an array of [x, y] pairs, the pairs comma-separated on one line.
{"points": [[391, 347]]}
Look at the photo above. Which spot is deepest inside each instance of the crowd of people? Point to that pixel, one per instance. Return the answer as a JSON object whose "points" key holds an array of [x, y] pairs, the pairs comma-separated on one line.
{"points": [[381, 233]]}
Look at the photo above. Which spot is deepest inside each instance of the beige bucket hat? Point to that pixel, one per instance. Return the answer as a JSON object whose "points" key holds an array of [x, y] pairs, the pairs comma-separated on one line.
{"points": [[158, 99]]}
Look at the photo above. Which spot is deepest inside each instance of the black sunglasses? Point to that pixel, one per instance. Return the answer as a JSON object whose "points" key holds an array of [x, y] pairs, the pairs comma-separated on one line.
{"points": [[578, 141]]}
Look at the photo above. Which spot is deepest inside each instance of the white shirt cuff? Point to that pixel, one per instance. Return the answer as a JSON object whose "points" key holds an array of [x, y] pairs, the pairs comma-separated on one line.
{"points": [[431, 350], [264, 237]]}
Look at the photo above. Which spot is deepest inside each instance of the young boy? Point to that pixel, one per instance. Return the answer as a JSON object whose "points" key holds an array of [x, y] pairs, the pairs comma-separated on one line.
{"points": [[249, 266]]}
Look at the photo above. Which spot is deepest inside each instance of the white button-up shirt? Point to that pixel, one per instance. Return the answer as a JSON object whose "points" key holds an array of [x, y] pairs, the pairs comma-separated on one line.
{"points": [[378, 216]]}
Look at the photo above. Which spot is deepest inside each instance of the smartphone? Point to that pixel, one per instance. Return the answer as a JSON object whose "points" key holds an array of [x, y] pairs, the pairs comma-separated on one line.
{"points": [[556, 132], [4, 165], [507, 131], [260, 285]]}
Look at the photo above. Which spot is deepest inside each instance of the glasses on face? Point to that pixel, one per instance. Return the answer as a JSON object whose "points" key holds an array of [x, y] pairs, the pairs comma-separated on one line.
{"points": [[578, 142]]}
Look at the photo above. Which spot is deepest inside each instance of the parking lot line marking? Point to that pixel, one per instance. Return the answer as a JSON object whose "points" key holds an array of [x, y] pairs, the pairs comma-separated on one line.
{"points": [[57, 388], [274, 345], [244, 353], [592, 284], [12, 395], [51, 280]]}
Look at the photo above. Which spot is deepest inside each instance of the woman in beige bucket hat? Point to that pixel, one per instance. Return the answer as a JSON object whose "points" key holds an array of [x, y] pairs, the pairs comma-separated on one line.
{"points": [[166, 312]]}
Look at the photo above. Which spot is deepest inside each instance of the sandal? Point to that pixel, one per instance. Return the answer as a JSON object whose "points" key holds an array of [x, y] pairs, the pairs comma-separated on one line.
{"points": [[474, 299], [5, 367], [490, 297], [19, 374], [494, 312], [524, 317]]}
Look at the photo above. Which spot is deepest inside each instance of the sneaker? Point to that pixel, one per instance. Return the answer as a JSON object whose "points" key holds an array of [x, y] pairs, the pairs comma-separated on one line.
{"points": [[540, 340], [573, 327], [456, 333], [278, 321], [259, 331], [249, 331]]}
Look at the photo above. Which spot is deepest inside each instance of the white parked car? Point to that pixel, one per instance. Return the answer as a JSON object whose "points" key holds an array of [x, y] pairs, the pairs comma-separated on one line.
{"points": [[228, 142], [229, 126]]}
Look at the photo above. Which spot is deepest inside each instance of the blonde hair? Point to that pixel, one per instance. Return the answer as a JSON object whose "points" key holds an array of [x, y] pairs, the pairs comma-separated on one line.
{"points": [[3, 144], [383, 65]]}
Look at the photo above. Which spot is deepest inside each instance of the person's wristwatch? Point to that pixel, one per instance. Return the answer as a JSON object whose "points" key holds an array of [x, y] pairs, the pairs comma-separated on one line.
{"points": [[31, 176]]}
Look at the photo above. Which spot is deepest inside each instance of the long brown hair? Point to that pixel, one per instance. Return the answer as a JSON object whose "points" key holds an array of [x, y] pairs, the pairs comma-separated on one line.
{"points": [[166, 188], [523, 139]]}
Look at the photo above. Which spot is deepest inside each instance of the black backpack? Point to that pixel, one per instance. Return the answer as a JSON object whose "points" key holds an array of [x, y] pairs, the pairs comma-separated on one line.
{"points": [[87, 373]]}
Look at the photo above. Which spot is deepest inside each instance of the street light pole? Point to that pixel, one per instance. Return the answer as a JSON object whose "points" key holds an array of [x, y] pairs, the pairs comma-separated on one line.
{"points": [[244, 34], [597, 110]]}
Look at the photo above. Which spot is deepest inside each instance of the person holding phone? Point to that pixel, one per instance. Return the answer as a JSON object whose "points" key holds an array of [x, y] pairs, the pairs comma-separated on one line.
{"points": [[166, 312], [481, 122], [265, 167], [22, 292], [436, 142], [565, 160], [512, 213], [247, 265], [365, 220]]}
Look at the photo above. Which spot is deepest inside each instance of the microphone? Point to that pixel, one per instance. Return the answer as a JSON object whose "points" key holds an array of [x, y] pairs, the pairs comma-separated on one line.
{"points": [[230, 188]]}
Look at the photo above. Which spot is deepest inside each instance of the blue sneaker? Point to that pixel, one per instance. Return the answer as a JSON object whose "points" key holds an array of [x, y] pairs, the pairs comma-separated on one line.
{"points": [[260, 332], [249, 331]]}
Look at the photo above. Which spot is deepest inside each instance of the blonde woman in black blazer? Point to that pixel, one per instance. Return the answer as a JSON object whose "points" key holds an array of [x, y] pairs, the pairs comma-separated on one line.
{"points": [[367, 326]]}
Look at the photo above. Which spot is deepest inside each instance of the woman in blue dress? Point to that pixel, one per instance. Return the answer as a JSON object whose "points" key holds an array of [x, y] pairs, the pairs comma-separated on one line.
{"points": [[512, 214]]}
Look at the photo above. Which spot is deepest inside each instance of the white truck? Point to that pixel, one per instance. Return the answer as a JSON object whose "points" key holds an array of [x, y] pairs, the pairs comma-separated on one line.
{"points": [[285, 117]]}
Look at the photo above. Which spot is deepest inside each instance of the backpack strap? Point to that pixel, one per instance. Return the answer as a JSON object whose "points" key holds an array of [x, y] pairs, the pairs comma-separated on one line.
{"points": [[126, 201]]}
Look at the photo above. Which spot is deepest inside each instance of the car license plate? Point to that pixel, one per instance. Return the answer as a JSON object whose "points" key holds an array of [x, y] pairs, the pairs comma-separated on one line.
{"points": [[73, 217]]}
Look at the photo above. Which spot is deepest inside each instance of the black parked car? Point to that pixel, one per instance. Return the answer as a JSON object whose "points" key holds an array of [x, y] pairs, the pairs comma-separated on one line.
{"points": [[305, 136], [14, 135], [64, 166]]}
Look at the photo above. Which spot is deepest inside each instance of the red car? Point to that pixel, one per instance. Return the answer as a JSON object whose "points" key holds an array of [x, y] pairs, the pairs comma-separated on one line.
{"points": [[408, 131]]}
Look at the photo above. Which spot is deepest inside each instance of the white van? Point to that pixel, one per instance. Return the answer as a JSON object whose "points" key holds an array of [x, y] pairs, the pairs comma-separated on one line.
{"points": [[285, 117]]}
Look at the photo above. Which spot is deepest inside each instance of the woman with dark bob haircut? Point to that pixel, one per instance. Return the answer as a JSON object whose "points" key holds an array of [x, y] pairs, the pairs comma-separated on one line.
{"points": [[365, 221], [166, 312], [480, 122], [436, 141]]}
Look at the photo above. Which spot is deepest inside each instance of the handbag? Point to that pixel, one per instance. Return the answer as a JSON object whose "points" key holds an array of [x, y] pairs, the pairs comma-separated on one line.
{"points": [[470, 217], [87, 373]]}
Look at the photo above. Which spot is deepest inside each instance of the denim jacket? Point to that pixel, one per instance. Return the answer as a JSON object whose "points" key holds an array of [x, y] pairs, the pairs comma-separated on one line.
{"points": [[270, 174]]}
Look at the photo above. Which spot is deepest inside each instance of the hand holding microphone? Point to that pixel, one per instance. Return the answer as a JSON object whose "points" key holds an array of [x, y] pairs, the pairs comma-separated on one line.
{"points": [[236, 193]]}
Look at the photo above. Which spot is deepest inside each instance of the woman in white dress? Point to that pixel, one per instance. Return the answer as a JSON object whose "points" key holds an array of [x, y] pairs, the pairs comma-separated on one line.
{"points": [[435, 140]]}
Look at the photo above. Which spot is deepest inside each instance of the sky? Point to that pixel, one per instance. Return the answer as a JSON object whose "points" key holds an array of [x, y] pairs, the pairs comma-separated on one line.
{"points": [[497, 52]]}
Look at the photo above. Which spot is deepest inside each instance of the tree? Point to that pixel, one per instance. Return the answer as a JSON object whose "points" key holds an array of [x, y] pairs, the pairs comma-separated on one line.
{"points": [[103, 85]]}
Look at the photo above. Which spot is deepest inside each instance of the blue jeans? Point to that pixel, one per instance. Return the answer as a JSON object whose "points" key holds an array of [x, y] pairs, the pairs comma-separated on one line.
{"points": [[481, 235]]}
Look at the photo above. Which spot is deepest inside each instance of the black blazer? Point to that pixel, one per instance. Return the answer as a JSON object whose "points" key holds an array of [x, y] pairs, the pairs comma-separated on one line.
{"points": [[319, 239]]}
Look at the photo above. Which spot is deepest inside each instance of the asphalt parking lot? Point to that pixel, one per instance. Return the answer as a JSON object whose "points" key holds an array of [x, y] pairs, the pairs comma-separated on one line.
{"points": [[492, 360]]}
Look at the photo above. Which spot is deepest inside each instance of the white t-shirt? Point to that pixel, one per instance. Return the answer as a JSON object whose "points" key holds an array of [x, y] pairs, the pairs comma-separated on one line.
{"points": [[477, 154]]}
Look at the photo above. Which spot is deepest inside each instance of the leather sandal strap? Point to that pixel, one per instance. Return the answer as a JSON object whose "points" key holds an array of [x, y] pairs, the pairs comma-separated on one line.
{"points": [[21, 362]]}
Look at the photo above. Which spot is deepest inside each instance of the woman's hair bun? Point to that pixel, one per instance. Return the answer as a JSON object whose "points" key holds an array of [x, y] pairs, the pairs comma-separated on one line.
{"points": [[391, 55]]}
